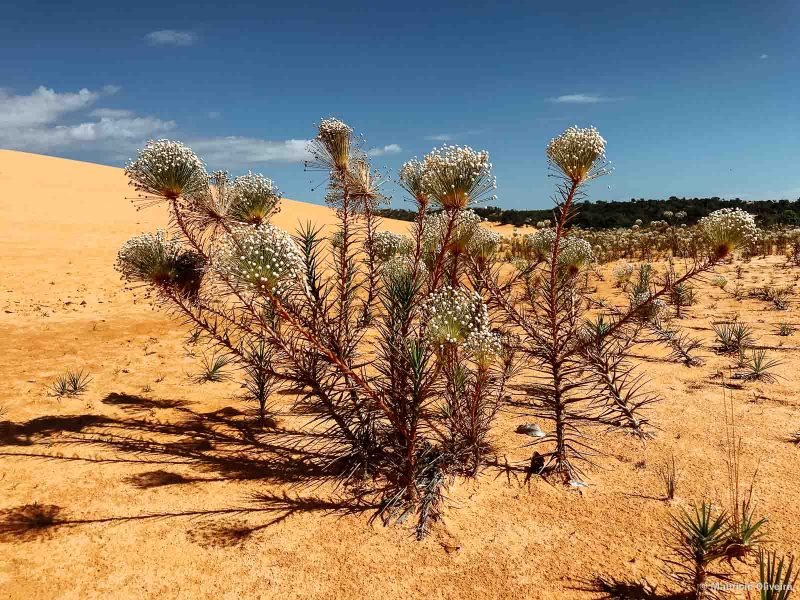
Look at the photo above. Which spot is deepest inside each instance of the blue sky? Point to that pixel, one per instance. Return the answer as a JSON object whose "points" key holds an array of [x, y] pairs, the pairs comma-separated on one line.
{"points": [[694, 98]]}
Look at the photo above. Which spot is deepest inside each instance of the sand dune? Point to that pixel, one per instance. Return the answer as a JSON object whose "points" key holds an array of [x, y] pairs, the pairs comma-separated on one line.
{"points": [[160, 494]]}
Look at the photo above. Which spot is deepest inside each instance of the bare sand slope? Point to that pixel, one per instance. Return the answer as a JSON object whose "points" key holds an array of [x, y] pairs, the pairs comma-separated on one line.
{"points": [[160, 490]]}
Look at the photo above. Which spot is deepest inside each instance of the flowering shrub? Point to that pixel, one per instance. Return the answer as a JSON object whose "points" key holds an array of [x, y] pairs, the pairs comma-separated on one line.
{"points": [[727, 229]]}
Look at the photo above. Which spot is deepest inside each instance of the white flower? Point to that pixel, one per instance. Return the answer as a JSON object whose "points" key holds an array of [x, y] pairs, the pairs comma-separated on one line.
{"points": [[168, 170], [160, 261], [465, 224], [456, 176], [386, 244], [451, 315], [484, 243], [576, 151], [253, 198], [726, 229], [262, 258]]}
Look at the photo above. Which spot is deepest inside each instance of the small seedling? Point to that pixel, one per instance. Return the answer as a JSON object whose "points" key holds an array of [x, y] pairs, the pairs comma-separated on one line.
{"points": [[71, 383]]}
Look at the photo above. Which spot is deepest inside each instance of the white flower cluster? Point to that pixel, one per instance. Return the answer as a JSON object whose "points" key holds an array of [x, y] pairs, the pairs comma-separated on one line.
{"points": [[335, 137], [264, 258], [465, 224], [484, 243], [147, 257], [155, 259], [727, 229], [398, 270], [411, 179], [576, 151], [254, 198], [387, 244], [167, 169], [650, 312], [457, 176], [573, 252], [452, 315], [622, 273], [484, 346]]}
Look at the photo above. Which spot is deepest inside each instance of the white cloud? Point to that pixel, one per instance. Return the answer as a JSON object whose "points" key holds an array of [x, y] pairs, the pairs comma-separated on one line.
{"points": [[234, 151], [41, 107], [440, 137], [581, 99], [763, 56], [111, 113], [40, 122], [388, 149], [171, 37]]}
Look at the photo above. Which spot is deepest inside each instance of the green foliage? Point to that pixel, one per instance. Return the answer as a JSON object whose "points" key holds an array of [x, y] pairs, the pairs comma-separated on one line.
{"points": [[71, 383], [776, 576]]}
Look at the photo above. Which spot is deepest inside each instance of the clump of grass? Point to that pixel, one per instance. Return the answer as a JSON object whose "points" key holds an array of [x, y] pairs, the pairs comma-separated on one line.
{"points": [[681, 296], [777, 577], [213, 368], [700, 539], [757, 367], [785, 329], [668, 473], [72, 383], [733, 337], [779, 296]]}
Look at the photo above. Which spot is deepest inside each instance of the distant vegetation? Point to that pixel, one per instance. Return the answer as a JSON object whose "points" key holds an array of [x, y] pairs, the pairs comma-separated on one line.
{"points": [[602, 214]]}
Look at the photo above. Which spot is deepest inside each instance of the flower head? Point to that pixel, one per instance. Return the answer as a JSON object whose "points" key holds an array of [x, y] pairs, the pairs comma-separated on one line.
{"points": [[411, 178], [398, 273], [465, 224], [262, 258], [484, 346], [387, 244], [452, 314], [154, 259], [726, 229], [576, 152], [253, 199], [168, 170], [335, 136], [457, 176], [484, 243], [574, 253]]}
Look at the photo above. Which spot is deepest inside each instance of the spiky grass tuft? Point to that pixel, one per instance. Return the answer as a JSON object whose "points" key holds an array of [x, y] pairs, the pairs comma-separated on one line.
{"points": [[72, 383]]}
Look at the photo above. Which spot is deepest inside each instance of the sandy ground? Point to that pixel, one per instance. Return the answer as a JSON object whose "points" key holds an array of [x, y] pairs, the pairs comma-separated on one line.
{"points": [[162, 490]]}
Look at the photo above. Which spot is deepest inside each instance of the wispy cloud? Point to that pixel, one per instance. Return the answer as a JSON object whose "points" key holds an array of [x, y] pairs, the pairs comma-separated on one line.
{"points": [[388, 149], [171, 37], [45, 120], [581, 99], [234, 152], [763, 56], [449, 137]]}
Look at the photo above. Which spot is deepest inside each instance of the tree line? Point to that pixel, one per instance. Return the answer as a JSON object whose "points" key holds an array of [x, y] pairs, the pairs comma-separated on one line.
{"points": [[603, 214]]}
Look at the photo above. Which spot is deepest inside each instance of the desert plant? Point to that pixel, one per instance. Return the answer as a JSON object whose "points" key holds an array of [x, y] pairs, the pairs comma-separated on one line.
{"points": [[785, 329], [71, 383], [680, 344], [380, 336], [733, 337], [756, 366], [777, 577], [578, 369], [668, 474], [699, 538], [214, 368], [682, 295]]}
